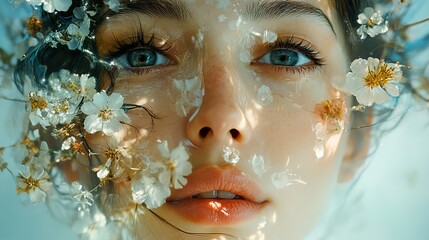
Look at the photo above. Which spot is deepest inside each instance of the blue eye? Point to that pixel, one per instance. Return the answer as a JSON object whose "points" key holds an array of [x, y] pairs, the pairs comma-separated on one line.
{"points": [[285, 57], [142, 57]]}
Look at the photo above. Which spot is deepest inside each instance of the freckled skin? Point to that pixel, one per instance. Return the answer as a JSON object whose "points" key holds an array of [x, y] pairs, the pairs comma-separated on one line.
{"points": [[280, 130]]}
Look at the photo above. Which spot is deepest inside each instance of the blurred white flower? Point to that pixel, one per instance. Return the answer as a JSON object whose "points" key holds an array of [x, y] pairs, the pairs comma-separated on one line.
{"points": [[258, 165], [189, 96], [78, 31], [149, 191], [73, 86], [113, 4], [177, 165], [55, 5], [231, 155], [372, 80], [48, 5], [280, 180], [38, 108], [372, 23], [103, 170], [35, 182], [104, 113], [83, 198]]}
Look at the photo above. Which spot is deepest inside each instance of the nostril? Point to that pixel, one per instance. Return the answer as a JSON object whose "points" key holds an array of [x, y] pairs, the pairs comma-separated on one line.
{"points": [[234, 133], [204, 132]]}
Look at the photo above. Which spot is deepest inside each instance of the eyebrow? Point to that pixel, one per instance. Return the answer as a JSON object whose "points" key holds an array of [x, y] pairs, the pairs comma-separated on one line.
{"points": [[257, 10], [155, 8]]}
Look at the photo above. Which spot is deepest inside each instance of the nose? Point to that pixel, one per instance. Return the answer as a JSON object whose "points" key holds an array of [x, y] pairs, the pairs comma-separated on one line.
{"points": [[220, 120]]}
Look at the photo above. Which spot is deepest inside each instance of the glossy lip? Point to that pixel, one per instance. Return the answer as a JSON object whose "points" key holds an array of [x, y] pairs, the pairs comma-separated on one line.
{"points": [[217, 211]]}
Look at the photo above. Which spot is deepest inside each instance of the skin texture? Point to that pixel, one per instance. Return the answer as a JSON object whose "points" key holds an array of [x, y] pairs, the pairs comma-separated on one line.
{"points": [[281, 131]]}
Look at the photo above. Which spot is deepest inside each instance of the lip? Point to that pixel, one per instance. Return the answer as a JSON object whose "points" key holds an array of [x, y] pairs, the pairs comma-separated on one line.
{"points": [[217, 211]]}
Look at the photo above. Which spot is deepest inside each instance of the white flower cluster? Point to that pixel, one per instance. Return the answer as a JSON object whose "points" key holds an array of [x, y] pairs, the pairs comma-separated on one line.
{"points": [[153, 187], [372, 81], [372, 23], [48, 5], [58, 104]]}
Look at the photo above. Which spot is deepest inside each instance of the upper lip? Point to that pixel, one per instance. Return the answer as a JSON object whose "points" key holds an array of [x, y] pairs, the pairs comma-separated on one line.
{"points": [[211, 178]]}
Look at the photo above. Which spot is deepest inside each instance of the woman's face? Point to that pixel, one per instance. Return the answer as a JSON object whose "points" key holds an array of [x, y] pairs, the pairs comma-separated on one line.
{"points": [[246, 86]]}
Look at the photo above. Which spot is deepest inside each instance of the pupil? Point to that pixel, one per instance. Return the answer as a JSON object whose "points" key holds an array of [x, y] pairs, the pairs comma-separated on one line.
{"points": [[284, 57], [142, 58]]}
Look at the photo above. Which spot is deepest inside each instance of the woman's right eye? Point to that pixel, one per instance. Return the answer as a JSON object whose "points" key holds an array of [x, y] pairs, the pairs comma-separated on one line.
{"points": [[142, 58]]}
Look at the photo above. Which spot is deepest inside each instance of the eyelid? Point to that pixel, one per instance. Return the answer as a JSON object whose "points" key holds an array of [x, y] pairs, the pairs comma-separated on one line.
{"points": [[295, 44], [136, 40]]}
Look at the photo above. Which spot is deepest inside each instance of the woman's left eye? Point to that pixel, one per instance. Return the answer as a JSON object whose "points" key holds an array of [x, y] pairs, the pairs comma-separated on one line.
{"points": [[284, 57], [142, 57]]}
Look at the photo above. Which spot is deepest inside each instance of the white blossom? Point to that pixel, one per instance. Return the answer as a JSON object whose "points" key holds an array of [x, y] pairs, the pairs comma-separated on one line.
{"points": [[83, 198], [372, 23], [258, 164], [78, 31], [73, 86], [372, 81], [55, 5], [280, 180], [113, 4], [149, 191], [177, 165], [38, 107], [35, 183], [189, 96], [231, 155], [264, 95], [104, 113], [43, 159], [103, 170], [48, 5]]}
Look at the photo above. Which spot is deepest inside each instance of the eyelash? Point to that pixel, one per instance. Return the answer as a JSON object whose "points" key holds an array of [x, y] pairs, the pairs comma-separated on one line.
{"points": [[138, 40], [300, 46]]}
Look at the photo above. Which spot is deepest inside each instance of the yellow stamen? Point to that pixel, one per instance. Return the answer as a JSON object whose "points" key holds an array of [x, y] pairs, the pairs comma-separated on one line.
{"points": [[379, 76], [73, 86], [31, 146], [30, 184], [34, 25], [37, 102], [113, 154], [105, 114], [331, 109], [172, 164]]}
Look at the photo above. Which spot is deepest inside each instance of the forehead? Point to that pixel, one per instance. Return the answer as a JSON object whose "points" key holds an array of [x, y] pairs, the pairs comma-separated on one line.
{"points": [[207, 11]]}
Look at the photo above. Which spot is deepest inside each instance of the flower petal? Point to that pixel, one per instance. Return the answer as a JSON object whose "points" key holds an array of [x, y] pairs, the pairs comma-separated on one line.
{"points": [[100, 100], [359, 67], [380, 96], [353, 83], [89, 108], [364, 96], [111, 126], [163, 149], [393, 90], [115, 101], [368, 11], [92, 124]]}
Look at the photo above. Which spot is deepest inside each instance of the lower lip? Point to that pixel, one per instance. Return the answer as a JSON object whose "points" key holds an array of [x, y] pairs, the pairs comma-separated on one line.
{"points": [[215, 211]]}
